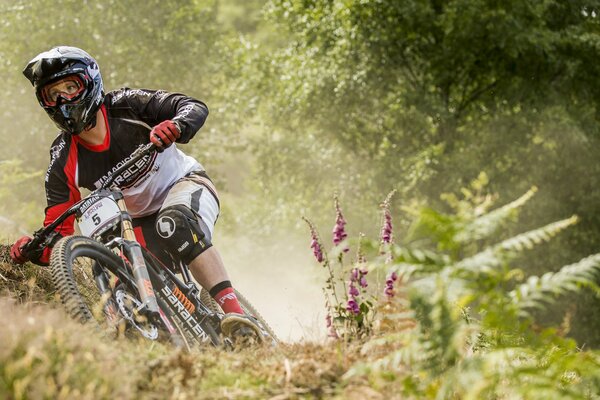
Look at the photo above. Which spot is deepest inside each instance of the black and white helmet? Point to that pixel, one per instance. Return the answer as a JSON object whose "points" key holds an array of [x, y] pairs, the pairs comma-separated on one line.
{"points": [[76, 112]]}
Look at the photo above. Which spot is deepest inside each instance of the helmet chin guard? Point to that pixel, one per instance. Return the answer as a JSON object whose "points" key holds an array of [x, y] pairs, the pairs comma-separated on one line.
{"points": [[70, 115]]}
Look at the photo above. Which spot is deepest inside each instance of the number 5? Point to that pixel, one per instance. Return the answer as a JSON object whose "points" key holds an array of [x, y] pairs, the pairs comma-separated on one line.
{"points": [[96, 219]]}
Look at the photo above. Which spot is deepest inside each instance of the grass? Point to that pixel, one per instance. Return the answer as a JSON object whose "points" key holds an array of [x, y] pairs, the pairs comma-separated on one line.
{"points": [[46, 355]]}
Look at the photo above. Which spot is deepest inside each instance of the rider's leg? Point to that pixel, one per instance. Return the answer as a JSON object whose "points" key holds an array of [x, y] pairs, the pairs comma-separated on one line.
{"points": [[186, 223], [208, 269]]}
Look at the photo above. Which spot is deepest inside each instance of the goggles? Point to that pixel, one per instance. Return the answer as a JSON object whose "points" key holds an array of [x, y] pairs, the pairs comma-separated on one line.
{"points": [[67, 90]]}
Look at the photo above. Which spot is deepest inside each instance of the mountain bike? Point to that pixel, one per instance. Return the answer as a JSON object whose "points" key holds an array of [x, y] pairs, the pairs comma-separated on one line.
{"points": [[105, 276]]}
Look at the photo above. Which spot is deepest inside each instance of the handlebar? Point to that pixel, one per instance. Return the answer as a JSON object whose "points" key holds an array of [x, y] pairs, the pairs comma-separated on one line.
{"points": [[40, 236]]}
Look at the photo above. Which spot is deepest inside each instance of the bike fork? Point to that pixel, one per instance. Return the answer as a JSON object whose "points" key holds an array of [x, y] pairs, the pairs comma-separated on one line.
{"points": [[109, 307]]}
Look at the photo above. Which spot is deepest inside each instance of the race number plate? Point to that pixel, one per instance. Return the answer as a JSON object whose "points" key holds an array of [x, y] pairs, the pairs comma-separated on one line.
{"points": [[98, 217]]}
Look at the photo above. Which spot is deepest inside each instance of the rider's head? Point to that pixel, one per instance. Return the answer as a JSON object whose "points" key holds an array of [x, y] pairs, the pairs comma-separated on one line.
{"points": [[68, 85]]}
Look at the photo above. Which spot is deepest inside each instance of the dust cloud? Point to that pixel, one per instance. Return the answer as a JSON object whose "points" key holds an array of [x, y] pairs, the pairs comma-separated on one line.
{"points": [[281, 279]]}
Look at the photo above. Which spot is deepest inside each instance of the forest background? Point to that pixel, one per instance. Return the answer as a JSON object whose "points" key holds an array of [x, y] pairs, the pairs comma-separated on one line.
{"points": [[311, 98]]}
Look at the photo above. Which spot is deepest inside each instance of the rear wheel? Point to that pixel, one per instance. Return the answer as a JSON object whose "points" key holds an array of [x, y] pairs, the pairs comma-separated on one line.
{"points": [[248, 308], [195, 325]]}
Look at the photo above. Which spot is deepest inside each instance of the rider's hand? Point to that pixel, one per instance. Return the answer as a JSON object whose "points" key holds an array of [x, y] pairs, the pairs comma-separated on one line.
{"points": [[38, 256], [164, 134], [16, 252]]}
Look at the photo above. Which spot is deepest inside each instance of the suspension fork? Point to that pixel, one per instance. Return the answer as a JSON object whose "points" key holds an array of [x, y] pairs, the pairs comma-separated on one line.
{"points": [[133, 251]]}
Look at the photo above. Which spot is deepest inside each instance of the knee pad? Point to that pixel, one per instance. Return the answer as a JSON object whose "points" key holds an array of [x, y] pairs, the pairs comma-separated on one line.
{"points": [[180, 229]]}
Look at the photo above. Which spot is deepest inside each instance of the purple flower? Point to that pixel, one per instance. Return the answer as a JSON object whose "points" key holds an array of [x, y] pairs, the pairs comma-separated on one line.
{"points": [[315, 243], [389, 291], [353, 306], [358, 275], [386, 229], [354, 275], [317, 250], [339, 230], [363, 282], [389, 285], [328, 320], [352, 290], [386, 226]]}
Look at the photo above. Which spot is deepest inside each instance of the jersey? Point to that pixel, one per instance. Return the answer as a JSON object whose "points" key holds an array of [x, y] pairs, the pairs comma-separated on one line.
{"points": [[129, 115]]}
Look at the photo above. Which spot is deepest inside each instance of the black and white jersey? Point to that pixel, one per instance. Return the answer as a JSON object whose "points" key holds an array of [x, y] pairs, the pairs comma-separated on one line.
{"points": [[129, 115]]}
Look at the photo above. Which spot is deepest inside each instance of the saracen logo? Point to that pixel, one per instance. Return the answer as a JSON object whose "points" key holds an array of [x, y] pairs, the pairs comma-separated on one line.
{"points": [[131, 175], [183, 313]]}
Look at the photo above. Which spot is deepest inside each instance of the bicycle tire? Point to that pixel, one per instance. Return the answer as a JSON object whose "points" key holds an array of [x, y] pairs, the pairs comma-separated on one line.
{"points": [[70, 279], [70, 282]]}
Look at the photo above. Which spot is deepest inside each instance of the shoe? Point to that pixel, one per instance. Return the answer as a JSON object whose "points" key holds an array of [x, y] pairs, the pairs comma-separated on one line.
{"points": [[241, 329]]}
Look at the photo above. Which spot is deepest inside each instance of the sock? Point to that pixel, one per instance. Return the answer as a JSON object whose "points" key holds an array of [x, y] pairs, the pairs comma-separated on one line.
{"points": [[225, 297]]}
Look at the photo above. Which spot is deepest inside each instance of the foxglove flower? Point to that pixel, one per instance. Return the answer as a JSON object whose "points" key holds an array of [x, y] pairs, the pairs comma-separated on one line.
{"points": [[386, 229], [315, 243], [339, 230], [352, 290], [389, 285], [353, 306], [317, 250], [386, 226], [363, 281]]}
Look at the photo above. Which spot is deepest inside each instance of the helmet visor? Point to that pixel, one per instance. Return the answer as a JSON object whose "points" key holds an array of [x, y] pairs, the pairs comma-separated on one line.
{"points": [[64, 90]]}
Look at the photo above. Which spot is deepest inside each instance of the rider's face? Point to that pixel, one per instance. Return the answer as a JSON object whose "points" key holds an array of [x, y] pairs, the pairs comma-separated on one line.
{"points": [[65, 90]]}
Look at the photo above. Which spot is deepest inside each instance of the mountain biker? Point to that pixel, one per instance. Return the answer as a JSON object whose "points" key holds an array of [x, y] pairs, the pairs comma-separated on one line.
{"points": [[173, 203]]}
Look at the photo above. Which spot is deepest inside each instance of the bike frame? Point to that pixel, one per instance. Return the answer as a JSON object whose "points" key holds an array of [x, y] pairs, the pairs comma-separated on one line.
{"points": [[145, 269]]}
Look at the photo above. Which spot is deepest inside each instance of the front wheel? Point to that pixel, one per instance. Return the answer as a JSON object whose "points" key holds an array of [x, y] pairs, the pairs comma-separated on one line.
{"points": [[84, 273], [74, 262]]}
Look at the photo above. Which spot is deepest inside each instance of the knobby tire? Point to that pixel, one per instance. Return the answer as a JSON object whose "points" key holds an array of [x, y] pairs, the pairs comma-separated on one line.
{"points": [[70, 284]]}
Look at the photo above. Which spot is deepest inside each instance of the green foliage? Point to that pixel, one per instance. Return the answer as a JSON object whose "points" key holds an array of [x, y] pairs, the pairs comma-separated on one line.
{"points": [[474, 334], [360, 96]]}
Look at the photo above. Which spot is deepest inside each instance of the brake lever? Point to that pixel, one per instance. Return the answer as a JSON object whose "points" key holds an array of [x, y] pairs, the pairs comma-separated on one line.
{"points": [[39, 241]]}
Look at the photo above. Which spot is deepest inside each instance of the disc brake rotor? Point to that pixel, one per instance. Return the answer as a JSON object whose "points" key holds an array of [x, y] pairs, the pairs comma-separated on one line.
{"points": [[130, 307]]}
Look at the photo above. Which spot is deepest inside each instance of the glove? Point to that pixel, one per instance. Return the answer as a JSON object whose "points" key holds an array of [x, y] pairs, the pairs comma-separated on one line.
{"points": [[164, 134], [16, 252], [40, 257]]}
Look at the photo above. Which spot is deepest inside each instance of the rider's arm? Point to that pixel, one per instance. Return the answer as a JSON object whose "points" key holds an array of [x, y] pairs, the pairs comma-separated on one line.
{"points": [[154, 107], [61, 193], [61, 189]]}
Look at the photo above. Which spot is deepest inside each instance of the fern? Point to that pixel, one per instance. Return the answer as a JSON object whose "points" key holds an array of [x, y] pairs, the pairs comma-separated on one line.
{"points": [[504, 251], [539, 291], [487, 224], [470, 332]]}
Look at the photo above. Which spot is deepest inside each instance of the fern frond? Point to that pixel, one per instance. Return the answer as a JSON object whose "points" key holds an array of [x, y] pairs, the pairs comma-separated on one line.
{"points": [[488, 223], [529, 239], [539, 291], [494, 256]]}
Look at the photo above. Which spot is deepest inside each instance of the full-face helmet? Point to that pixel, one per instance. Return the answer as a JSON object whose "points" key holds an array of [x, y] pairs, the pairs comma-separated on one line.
{"points": [[68, 85]]}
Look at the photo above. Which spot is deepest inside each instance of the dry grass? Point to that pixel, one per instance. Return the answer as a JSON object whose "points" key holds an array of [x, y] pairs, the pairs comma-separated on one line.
{"points": [[46, 355]]}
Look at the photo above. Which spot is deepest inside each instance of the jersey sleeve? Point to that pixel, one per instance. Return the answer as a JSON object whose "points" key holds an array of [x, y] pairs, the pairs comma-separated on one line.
{"points": [[156, 106], [61, 188]]}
